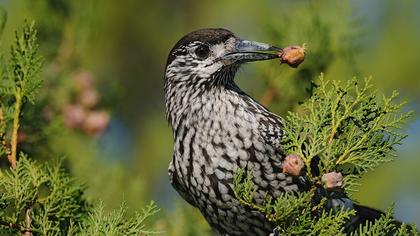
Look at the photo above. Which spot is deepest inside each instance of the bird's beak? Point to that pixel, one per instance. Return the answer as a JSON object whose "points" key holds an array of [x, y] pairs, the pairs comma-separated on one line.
{"points": [[247, 51]]}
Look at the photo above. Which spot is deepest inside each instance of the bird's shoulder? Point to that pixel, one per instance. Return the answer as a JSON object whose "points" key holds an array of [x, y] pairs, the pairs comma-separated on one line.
{"points": [[271, 128], [269, 124]]}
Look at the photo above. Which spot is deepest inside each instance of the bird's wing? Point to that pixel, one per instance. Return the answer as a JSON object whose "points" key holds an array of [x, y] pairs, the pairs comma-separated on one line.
{"points": [[271, 128], [270, 125]]}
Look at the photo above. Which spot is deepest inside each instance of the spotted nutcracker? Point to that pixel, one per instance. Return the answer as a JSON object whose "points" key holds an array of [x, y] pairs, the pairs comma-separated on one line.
{"points": [[218, 128]]}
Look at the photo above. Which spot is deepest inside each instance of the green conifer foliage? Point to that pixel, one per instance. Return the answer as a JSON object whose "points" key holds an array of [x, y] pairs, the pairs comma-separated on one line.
{"points": [[350, 128], [43, 199]]}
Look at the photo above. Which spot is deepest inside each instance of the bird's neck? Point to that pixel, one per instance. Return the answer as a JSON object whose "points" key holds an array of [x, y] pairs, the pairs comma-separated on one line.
{"points": [[184, 98]]}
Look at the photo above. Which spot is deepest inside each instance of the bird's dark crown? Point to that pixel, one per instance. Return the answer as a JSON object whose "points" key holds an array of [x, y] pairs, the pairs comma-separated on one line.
{"points": [[209, 36]]}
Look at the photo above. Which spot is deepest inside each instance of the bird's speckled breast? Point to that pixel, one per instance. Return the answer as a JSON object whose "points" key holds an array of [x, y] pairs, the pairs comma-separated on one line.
{"points": [[216, 136]]}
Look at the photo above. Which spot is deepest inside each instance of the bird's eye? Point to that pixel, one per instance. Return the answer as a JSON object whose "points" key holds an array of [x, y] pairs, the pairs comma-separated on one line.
{"points": [[202, 51]]}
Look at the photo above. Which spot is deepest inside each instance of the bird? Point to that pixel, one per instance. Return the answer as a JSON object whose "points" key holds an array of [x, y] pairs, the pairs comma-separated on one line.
{"points": [[218, 129]]}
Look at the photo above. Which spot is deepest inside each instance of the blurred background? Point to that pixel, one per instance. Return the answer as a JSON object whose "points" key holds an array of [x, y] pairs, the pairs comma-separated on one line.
{"points": [[102, 105]]}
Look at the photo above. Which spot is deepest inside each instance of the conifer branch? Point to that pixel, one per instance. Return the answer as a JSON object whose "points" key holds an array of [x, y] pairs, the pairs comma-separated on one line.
{"points": [[348, 127], [351, 129], [22, 80], [44, 199]]}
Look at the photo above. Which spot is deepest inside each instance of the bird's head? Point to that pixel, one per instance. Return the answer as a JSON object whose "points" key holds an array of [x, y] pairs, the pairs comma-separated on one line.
{"points": [[208, 56], [203, 60]]}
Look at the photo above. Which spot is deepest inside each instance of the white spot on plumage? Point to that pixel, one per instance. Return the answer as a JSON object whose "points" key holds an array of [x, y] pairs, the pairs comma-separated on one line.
{"points": [[222, 188], [220, 175]]}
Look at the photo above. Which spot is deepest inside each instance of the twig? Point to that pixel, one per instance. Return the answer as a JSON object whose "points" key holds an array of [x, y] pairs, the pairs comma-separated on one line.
{"points": [[15, 226], [18, 103], [28, 221]]}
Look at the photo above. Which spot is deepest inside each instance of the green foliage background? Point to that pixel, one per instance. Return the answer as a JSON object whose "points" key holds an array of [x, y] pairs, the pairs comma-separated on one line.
{"points": [[125, 44]]}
